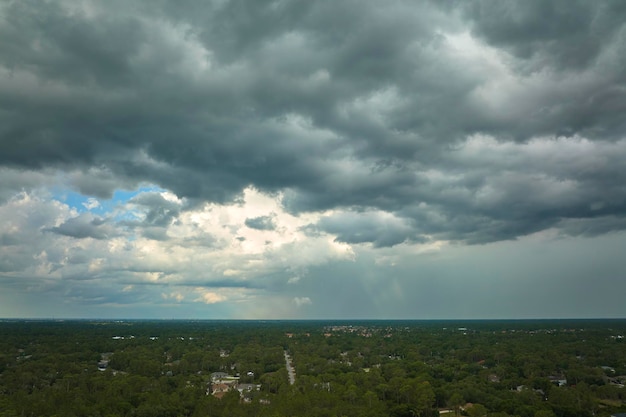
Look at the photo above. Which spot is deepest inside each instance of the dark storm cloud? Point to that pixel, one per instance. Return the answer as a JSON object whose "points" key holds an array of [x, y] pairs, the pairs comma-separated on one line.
{"points": [[567, 34], [361, 106], [567, 37], [361, 228], [100, 181]]}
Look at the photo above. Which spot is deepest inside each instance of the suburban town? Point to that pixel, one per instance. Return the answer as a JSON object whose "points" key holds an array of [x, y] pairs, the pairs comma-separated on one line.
{"points": [[399, 368]]}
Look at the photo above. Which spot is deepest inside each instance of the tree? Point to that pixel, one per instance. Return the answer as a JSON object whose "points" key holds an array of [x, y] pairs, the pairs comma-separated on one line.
{"points": [[456, 401], [477, 410]]}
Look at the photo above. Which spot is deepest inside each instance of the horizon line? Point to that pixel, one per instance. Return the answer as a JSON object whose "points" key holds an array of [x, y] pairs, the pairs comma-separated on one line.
{"points": [[307, 319]]}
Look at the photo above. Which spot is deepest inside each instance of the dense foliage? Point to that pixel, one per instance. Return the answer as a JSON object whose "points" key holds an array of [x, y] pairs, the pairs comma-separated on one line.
{"points": [[425, 369]]}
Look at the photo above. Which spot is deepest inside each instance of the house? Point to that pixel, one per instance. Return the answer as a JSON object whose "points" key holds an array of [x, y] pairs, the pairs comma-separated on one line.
{"points": [[215, 376], [103, 363], [219, 390], [559, 380], [221, 383]]}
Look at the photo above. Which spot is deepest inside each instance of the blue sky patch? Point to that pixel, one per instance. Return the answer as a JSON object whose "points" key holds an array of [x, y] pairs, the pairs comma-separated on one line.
{"points": [[82, 203]]}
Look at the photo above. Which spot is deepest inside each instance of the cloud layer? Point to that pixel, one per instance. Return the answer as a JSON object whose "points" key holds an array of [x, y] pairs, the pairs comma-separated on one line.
{"points": [[262, 142]]}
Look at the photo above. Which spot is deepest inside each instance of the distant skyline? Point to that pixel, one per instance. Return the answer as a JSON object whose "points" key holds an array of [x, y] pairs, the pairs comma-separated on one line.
{"points": [[312, 160]]}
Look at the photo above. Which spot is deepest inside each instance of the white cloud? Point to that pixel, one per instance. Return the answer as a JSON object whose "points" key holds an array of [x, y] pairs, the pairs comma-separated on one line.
{"points": [[91, 203], [302, 301], [209, 297], [240, 251]]}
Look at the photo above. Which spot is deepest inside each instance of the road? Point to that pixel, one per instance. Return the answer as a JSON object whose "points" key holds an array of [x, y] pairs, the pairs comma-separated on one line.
{"points": [[290, 369]]}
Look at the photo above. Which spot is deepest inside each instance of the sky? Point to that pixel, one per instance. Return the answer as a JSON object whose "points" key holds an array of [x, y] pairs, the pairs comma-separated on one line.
{"points": [[312, 159]]}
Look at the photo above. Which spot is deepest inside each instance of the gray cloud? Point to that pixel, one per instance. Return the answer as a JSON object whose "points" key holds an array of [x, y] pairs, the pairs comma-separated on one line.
{"points": [[261, 223], [198, 101], [85, 225], [565, 34], [14, 181], [160, 212], [344, 106], [574, 40], [367, 227]]}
